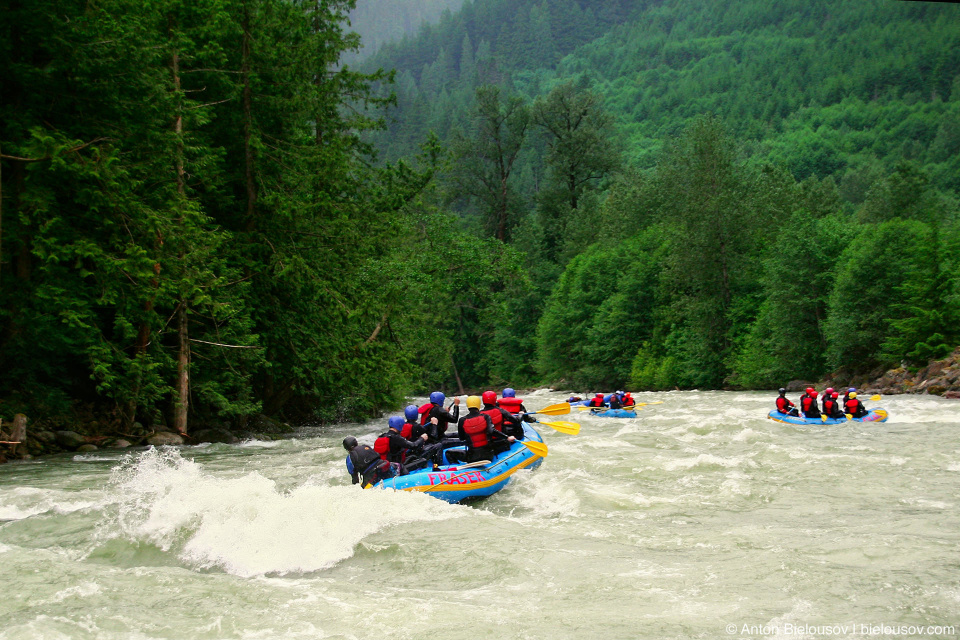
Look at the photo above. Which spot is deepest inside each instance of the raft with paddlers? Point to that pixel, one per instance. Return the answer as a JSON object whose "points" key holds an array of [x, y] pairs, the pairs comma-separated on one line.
{"points": [[454, 483], [875, 415]]}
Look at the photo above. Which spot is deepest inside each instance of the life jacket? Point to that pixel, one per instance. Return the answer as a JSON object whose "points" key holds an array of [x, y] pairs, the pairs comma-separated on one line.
{"points": [[808, 403], [628, 400], [363, 458], [596, 402], [829, 406], [851, 405], [476, 429], [424, 412], [382, 445], [407, 430], [496, 417], [783, 405], [511, 405]]}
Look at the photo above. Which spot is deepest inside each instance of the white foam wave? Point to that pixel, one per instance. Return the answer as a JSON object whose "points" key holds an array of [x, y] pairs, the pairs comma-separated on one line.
{"points": [[20, 503], [244, 525]]}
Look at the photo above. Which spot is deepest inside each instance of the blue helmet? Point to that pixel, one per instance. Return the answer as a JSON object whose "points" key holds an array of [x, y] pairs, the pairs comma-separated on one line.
{"points": [[509, 393], [437, 397], [395, 422], [851, 389], [411, 412]]}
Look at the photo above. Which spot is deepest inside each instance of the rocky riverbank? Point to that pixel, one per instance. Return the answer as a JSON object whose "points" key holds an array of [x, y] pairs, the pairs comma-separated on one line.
{"points": [[49, 437], [939, 378]]}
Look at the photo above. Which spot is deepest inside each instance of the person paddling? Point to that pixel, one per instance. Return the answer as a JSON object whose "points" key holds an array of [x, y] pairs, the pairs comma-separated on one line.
{"points": [[808, 404], [363, 462], [412, 427], [503, 420], [476, 429], [597, 401], [510, 402], [831, 408], [393, 447], [854, 407], [437, 429], [615, 402], [784, 405]]}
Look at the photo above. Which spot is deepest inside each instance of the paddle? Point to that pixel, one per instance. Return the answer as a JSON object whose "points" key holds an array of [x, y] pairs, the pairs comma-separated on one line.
{"points": [[553, 410], [563, 426]]}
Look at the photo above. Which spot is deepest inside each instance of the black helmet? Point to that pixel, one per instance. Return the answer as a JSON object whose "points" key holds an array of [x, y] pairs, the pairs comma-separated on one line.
{"points": [[349, 443], [782, 390]]}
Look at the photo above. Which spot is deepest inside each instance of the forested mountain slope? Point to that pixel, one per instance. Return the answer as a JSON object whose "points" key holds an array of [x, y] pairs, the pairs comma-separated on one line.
{"points": [[748, 145], [381, 21]]}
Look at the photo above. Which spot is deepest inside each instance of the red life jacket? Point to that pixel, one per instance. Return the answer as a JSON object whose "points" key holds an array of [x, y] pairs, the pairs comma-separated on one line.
{"points": [[496, 417], [424, 412], [829, 405], [476, 430], [851, 405], [783, 405], [511, 404], [407, 430], [628, 400], [596, 402], [807, 403], [382, 445]]}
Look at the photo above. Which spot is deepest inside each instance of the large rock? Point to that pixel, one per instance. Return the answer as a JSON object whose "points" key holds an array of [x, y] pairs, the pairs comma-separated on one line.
{"points": [[165, 438], [215, 435], [69, 439], [85, 448], [120, 443]]}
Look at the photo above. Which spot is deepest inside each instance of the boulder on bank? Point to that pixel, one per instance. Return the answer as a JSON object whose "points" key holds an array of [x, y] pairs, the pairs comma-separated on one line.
{"points": [[120, 443], [86, 448], [70, 440], [215, 435], [941, 378], [165, 438]]}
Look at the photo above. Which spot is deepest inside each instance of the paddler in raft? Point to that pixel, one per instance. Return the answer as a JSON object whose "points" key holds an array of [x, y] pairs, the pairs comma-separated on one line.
{"points": [[364, 463], [854, 407], [510, 402], [597, 401], [393, 447], [784, 405], [503, 420], [831, 408], [808, 404], [482, 440], [435, 419]]}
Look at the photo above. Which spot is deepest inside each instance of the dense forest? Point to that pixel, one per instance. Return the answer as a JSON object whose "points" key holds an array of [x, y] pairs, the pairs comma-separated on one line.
{"points": [[206, 216], [380, 21], [762, 191]]}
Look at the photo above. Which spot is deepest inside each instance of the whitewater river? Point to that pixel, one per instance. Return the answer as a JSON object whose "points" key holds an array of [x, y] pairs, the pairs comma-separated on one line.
{"points": [[698, 519]]}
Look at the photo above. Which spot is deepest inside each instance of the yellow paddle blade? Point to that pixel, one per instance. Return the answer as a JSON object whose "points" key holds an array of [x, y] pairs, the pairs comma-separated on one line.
{"points": [[849, 416], [555, 409], [538, 448], [875, 398], [563, 426]]}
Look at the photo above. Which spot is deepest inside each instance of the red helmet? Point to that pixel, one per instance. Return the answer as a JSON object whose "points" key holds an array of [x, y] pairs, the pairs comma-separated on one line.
{"points": [[834, 395], [811, 391], [599, 395], [829, 390], [489, 397]]}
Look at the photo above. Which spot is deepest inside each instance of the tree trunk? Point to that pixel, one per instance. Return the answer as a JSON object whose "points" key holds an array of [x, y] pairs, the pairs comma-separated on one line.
{"points": [[248, 120], [18, 432], [183, 372]]}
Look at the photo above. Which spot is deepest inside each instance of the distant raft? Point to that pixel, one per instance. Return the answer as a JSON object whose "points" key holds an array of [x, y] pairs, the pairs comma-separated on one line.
{"points": [[454, 483], [615, 413], [875, 415]]}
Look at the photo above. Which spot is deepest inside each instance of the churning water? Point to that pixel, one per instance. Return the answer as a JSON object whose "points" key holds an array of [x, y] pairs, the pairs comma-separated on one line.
{"points": [[698, 519]]}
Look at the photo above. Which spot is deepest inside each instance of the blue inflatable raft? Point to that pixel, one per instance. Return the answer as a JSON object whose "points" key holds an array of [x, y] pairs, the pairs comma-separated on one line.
{"points": [[615, 413], [875, 415], [454, 483]]}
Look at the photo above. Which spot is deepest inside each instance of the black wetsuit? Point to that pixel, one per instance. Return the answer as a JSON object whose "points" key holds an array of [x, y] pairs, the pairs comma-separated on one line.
{"points": [[364, 462], [399, 444], [437, 432], [808, 406]]}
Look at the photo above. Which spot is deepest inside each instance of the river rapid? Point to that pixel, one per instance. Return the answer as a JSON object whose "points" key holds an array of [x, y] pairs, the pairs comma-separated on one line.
{"points": [[700, 518]]}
